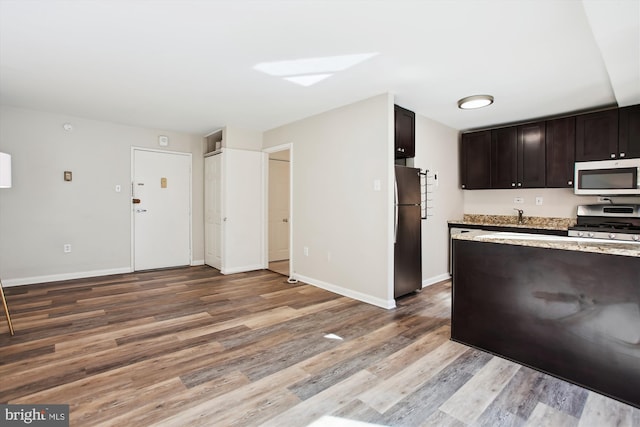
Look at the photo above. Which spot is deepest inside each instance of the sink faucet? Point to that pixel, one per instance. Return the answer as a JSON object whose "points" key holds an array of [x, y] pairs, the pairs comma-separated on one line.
{"points": [[520, 212]]}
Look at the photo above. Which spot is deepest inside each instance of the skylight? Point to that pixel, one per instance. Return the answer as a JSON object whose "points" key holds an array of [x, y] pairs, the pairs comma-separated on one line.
{"points": [[309, 71], [309, 79]]}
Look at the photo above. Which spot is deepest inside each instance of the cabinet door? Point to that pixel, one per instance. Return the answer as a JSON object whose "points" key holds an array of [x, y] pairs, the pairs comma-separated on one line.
{"points": [[561, 145], [405, 133], [504, 163], [629, 137], [531, 155], [475, 155], [597, 136]]}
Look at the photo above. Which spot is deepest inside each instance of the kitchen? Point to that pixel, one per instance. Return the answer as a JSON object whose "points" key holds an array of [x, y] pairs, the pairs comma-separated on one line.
{"points": [[560, 287]]}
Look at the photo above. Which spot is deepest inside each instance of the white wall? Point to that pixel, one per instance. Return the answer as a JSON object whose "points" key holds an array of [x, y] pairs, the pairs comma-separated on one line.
{"points": [[41, 212], [437, 151], [345, 224], [242, 139]]}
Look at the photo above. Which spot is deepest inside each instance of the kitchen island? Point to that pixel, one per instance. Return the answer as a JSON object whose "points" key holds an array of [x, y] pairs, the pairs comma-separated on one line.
{"points": [[566, 306]]}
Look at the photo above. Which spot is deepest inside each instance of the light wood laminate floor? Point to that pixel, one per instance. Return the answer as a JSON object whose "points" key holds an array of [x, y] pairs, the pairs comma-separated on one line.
{"points": [[190, 347], [281, 267]]}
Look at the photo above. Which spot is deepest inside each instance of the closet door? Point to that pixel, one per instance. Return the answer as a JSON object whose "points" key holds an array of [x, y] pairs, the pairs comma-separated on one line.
{"points": [[243, 211]]}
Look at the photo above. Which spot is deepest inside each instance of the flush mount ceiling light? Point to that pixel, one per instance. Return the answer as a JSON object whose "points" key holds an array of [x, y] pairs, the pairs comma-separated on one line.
{"points": [[309, 71], [475, 101]]}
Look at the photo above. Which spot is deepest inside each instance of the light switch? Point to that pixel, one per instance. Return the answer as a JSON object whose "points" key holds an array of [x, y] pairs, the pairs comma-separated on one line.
{"points": [[118, 188], [377, 185], [163, 182]]}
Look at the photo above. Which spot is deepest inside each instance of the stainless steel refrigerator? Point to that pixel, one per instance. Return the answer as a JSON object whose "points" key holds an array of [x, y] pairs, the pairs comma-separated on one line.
{"points": [[408, 232]]}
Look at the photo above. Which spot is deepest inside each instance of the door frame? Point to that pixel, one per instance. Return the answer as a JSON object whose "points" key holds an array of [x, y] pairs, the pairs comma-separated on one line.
{"points": [[275, 149], [132, 206]]}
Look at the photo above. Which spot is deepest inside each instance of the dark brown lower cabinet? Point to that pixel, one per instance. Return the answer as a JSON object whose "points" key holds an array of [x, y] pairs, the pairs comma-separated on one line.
{"points": [[574, 315]]}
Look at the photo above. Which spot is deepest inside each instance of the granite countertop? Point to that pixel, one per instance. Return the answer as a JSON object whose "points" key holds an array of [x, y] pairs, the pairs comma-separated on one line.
{"points": [[544, 223], [553, 242]]}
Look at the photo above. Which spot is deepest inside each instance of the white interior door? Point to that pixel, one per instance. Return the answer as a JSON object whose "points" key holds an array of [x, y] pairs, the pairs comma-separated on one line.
{"points": [[278, 209], [213, 211], [243, 211], [162, 218]]}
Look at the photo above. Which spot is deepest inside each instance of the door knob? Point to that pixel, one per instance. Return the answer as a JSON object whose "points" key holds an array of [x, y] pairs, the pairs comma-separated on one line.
{"points": [[135, 201], [285, 220], [141, 210]]}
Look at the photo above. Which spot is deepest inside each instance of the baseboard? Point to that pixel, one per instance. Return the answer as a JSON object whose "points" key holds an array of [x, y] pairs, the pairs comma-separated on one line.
{"points": [[435, 279], [387, 304], [64, 276], [197, 262], [242, 269]]}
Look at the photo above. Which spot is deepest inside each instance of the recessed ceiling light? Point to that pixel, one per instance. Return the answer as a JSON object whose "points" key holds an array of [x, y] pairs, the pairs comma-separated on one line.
{"points": [[475, 101]]}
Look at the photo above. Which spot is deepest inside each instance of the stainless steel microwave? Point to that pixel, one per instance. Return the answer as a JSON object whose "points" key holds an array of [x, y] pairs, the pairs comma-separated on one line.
{"points": [[607, 177]]}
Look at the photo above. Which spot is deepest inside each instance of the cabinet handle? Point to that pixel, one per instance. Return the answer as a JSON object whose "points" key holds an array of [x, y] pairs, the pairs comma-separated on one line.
{"points": [[519, 184], [570, 182], [621, 154], [401, 149], [462, 185], [513, 184], [613, 156]]}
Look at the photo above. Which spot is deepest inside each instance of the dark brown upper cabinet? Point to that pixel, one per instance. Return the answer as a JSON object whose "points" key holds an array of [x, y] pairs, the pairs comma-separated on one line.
{"points": [[560, 148], [629, 131], [597, 136], [542, 154], [518, 156], [531, 155], [504, 158], [475, 156], [405, 133]]}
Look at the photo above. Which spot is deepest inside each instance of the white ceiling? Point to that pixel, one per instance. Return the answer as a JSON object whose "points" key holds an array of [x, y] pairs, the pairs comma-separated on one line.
{"points": [[187, 65]]}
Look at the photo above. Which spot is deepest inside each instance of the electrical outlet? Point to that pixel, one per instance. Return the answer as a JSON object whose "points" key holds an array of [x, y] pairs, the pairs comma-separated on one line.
{"points": [[306, 251], [539, 201], [67, 248], [518, 200]]}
